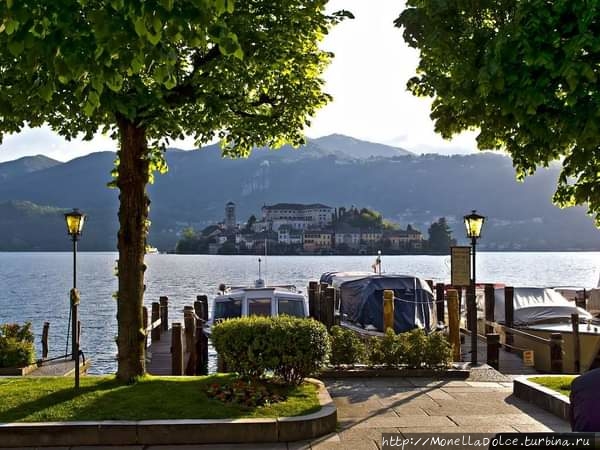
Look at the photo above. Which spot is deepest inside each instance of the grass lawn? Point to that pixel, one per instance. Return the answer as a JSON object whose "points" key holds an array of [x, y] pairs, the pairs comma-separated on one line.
{"points": [[561, 385], [32, 399]]}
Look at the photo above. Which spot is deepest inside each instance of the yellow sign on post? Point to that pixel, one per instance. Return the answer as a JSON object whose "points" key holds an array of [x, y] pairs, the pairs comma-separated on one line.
{"points": [[528, 358], [460, 264]]}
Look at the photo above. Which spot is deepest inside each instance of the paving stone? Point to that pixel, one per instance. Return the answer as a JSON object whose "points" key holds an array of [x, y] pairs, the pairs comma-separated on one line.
{"points": [[406, 421], [409, 410], [347, 445], [357, 434], [439, 394], [496, 419], [352, 411]]}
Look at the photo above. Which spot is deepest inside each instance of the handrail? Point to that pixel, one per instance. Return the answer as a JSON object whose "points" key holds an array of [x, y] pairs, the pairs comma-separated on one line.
{"points": [[533, 337], [157, 323]]}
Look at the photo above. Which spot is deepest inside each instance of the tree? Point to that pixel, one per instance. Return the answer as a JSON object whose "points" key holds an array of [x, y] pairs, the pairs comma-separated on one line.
{"points": [[525, 73], [440, 236], [250, 223], [247, 72]]}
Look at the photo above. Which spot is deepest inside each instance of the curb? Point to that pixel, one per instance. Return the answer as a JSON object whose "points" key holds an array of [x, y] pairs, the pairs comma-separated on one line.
{"points": [[170, 432], [357, 372], [541, 396]]}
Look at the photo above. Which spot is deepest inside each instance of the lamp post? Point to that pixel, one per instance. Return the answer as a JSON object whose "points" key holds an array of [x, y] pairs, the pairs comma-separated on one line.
{"points": [[473, 223], [75, 220]]}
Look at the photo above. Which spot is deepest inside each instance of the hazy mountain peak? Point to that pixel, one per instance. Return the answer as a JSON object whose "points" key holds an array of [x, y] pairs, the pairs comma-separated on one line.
{"points": [[26, 164], [356, 148]]}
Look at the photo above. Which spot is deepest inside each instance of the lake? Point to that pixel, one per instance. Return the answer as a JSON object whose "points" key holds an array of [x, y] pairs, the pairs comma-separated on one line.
{"points": [[35, 286]]}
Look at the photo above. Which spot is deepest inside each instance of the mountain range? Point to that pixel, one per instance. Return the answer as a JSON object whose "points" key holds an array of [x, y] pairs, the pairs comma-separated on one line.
{"points": [[335, 170]]}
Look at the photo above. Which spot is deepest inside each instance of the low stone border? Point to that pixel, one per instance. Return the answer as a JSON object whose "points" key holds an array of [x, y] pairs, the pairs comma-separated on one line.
{"points": [[370, 372], [542, 396], [17, 371], [171, 432]]}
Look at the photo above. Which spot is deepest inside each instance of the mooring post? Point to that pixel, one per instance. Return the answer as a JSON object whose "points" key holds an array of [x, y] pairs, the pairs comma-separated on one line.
{"points": [[154, 316], [45, 332], [509, 311], [556, 358], [164, 312], [328, 307], [453, 322], [145, 322], [176, 349], [204, 300], [490, 300], [439, 302], [313, 288], [576, 343], [388, 310], [493, 350], [189, 322]]}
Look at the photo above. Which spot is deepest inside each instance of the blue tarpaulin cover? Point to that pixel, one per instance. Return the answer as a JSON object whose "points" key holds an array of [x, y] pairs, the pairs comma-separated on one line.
{"points": [[361, 297]]}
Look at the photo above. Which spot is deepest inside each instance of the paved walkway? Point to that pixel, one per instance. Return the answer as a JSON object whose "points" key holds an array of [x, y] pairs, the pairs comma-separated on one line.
{"points": [[369, 407]]}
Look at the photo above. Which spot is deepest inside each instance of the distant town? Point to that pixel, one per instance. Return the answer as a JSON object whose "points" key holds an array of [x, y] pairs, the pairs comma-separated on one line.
{"points": [[295, 229]]}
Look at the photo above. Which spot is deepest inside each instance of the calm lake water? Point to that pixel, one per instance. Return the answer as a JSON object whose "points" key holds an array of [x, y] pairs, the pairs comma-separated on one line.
{"points": [[35, 286]]}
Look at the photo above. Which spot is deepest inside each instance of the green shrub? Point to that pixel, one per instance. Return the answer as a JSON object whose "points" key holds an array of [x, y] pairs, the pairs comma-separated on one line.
{"points": [[438, 351], [385, 350], [16, 345], [346, 347], [292, 348], [413, 349]]}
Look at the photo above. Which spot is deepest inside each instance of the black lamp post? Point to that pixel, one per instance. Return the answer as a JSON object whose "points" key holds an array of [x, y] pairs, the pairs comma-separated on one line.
{"points": [[75, 220], [473, 223]]}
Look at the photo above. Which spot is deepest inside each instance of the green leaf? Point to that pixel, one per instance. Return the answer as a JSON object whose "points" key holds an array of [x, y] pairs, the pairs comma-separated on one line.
{"points": [[16, 47], [11, 26], [140, 27]]}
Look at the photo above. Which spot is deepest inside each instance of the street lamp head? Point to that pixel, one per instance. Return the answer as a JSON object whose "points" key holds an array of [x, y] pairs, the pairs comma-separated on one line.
{"points": [[75, 220], [474, 223]]}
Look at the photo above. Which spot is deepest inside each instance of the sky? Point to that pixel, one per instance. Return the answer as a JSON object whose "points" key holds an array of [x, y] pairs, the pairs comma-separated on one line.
{"points": [[367, 80]]}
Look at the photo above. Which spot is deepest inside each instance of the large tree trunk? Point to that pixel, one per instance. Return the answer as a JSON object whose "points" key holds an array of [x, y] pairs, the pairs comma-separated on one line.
{"points": [[133, 217]]}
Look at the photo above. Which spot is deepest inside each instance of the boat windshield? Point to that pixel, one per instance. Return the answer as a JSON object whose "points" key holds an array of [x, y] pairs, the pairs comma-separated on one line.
{"points": [[228, 308], [259, 307], [290, 306]]}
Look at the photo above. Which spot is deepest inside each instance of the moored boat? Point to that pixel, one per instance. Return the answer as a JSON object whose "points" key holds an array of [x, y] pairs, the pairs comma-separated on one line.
{"points": [[360, 305], [257, 300]]}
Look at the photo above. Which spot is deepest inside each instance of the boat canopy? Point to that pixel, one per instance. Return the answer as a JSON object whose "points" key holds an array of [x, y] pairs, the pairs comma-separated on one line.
{"points": [[537, 305], [361, 295]]}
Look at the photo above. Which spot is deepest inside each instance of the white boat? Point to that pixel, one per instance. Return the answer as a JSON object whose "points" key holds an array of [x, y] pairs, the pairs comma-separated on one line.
{"points": [[257, 300], [541, 312]]}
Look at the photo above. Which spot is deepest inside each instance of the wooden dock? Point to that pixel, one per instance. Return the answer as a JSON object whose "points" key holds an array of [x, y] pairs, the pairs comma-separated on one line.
{"points": [[181, 349]]}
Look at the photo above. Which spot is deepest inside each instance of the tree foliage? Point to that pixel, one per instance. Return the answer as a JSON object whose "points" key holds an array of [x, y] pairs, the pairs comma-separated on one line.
{"points": [[440, 236], [524, 73], [247, 72]]}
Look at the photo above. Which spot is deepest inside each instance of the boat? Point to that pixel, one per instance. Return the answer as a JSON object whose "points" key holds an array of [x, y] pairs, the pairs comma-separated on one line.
{"points": [[541, 312], [360, 305], [257, 300]]}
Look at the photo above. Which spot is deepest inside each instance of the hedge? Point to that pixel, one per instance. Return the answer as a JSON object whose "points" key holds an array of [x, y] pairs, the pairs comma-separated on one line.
{"points": [[291, 348], [16, 345]]}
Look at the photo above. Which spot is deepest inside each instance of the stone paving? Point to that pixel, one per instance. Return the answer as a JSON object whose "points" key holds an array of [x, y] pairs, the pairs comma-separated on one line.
{"points": [[369, 407]]}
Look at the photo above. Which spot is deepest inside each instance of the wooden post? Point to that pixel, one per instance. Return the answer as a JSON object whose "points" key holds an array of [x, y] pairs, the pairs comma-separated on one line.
{"points": [[509, 314], [581, 302], [388, 310], [164, 313], [321, 308], [45, 340], [453, 322], [493, 350], [490, 302], [439, 302], [313, 288], [556, 359], [204, 300], [328, 307], [176, 349], [201, 350], [145, 322], [459, 291], [576, 343], [154, 316], [337, 308], [190, 339]]}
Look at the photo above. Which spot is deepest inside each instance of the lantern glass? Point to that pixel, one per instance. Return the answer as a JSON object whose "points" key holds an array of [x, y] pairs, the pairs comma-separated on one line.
{"points": [[473, 224], [75, 220]]}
